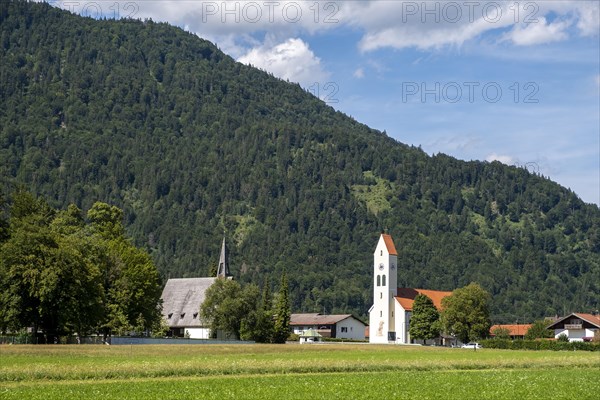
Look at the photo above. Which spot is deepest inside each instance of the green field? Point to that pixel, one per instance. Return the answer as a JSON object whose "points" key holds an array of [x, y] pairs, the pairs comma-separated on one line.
{"points": [[293, 372]]}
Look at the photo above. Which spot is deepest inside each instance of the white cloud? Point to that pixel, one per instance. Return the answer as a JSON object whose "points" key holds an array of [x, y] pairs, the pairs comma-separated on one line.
{"points": [[504, 159], [589, 18], [292, 60], [432, 25], [538, 33], [359, 73]]}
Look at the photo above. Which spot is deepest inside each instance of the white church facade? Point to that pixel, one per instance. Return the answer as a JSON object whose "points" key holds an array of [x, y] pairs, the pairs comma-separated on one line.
{"points": [[389, 317]]}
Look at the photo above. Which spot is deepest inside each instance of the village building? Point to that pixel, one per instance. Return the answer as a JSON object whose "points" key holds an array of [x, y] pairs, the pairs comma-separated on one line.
{"points": [[310, 336], [182, 298], [341, 326], [578, 327], [389, 317], [515, 331]]}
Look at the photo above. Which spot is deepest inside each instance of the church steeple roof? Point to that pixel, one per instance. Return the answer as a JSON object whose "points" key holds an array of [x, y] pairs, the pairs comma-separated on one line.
{"points": [[223, 268], [389, 244]]}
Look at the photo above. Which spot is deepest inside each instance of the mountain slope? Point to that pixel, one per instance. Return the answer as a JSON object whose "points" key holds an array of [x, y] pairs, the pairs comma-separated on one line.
{"points": [[192, 144]]}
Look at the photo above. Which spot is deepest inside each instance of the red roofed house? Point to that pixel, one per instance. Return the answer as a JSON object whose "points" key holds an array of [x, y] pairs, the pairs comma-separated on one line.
{"points": [[342, 326], [577, 326], [389, 317], [515, 331]]}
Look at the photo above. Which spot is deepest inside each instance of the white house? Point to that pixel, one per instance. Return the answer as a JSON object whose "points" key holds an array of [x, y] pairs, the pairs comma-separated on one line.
{"points": [[341, 326], [578, 327], [389, 317], [183, 297], [310, 336]]}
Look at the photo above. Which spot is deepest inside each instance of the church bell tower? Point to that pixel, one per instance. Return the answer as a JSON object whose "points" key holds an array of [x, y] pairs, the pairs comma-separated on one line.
{"points": [[382, 323]]}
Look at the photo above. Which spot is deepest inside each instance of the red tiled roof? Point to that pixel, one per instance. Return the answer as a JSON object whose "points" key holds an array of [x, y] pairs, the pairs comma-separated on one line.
{"points": [[513, 330], [389, 244], [406, 297], [592, 319]]}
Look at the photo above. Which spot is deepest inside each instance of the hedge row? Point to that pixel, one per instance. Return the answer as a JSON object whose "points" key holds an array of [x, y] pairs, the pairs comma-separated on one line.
{"points": [[538, 345]]}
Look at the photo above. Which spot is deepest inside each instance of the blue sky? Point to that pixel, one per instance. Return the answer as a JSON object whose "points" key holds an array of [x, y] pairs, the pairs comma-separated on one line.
{"points": [[513, 81]]}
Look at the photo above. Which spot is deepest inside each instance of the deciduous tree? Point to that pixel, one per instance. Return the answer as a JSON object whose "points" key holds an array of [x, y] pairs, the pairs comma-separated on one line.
{"points": [[466, 313], [539, 329]]}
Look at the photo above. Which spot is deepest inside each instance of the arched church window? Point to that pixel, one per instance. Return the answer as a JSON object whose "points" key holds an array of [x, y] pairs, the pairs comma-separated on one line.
{"points": [[381, 295], [381, 253], [378, 280], [383, 281]]}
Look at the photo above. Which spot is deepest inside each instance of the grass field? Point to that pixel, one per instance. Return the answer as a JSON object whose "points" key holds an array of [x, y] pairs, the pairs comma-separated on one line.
{"points": [[293, 372]]}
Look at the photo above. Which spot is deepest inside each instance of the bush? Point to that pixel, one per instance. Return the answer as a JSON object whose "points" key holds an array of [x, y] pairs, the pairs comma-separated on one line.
{"points": [[293, 337], [563, 338], [539, 345]]}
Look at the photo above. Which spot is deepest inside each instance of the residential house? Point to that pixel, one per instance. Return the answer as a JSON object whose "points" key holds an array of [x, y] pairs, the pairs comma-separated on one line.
{"points": [[577, 326], [515, 331], [310, 336], [342, 326]]}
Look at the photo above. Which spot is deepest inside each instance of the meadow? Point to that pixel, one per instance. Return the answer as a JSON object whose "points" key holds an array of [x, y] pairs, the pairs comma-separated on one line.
{"points": [[293, 372]]}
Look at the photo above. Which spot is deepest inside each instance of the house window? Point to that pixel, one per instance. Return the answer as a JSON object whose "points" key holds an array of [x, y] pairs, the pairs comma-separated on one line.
{"points": [[170, 315], [344, 329], [195, 315], [182, 315], [383, 281], [378, 280]]}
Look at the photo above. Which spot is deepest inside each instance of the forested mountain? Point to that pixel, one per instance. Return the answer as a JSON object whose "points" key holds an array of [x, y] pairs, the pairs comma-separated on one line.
{"points": [[192, 144]]}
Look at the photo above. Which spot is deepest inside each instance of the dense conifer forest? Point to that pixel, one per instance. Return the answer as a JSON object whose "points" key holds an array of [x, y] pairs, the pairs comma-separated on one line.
{"points": [[192, 145]]}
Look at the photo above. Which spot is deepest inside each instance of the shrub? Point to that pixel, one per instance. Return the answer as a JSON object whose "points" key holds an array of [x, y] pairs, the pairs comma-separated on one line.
{"points": [[562, 338], [539, 345]]}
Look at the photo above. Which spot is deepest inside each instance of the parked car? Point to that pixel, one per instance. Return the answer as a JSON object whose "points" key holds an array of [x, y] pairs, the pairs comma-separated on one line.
{"points": [[471, 345]]}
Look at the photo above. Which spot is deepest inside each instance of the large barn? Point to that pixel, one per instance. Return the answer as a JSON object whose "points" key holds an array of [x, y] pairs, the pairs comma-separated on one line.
{"points": [[182, 298]]}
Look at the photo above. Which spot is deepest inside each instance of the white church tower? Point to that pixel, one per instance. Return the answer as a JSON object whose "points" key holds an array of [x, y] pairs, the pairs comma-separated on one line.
{"points": [[382, 323]]}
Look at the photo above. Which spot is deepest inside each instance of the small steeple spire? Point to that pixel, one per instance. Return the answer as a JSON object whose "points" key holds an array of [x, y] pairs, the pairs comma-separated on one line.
{"points": [[223, 268]]}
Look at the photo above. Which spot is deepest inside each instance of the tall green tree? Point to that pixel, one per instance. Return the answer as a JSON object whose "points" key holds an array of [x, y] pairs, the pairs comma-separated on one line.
{"points": [[281, 330], [466, 314], [260, 328], [424, 322], [228, 308], [539, 330], [131, 281], [47, 276]]}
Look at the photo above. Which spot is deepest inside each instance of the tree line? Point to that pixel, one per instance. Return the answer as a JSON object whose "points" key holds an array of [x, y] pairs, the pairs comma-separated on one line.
{"points": [[63, 273]]}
